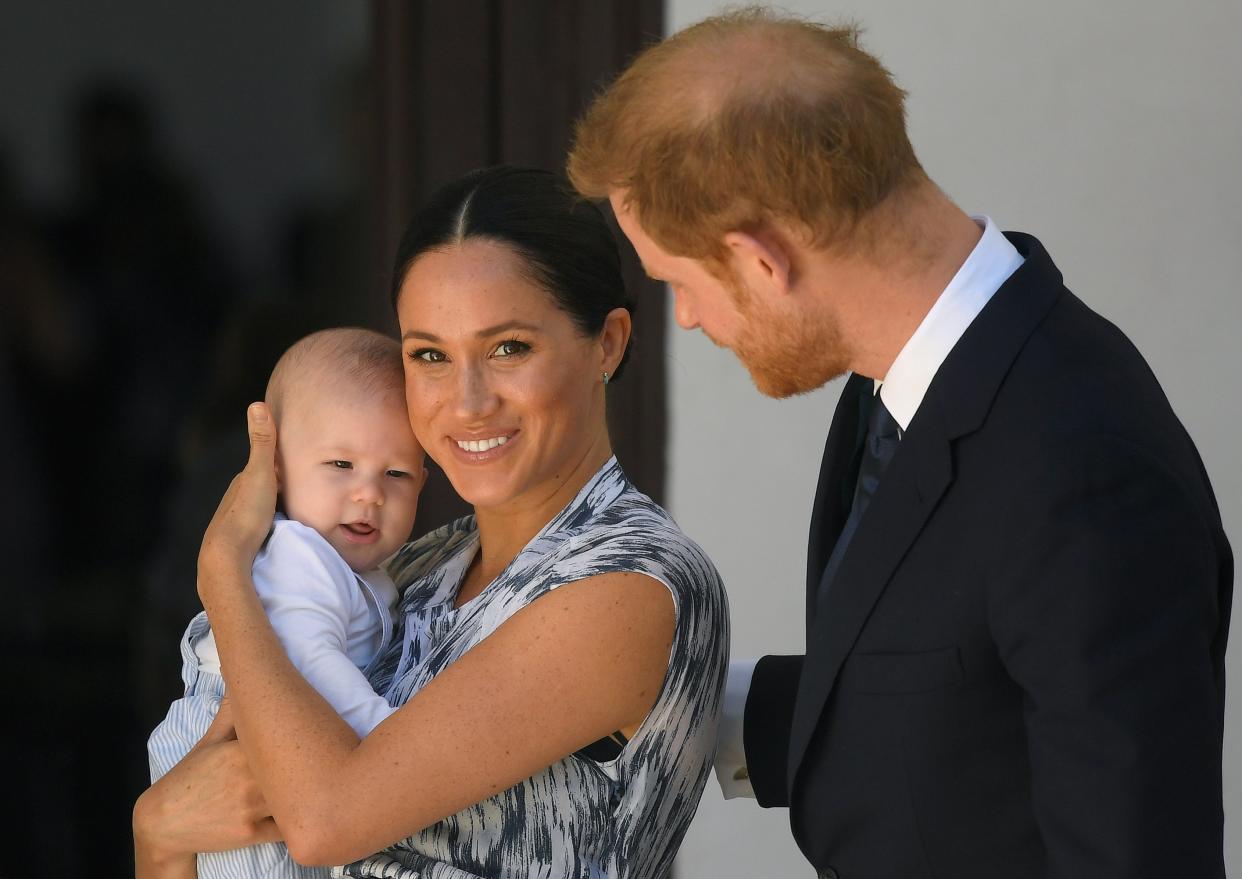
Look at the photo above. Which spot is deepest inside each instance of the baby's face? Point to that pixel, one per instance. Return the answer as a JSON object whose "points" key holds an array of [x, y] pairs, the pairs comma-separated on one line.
{"points": [[350, 468]]}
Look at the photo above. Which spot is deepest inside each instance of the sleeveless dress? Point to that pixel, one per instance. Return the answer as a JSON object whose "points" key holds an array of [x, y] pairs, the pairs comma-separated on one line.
{"points": [[579, 817]]}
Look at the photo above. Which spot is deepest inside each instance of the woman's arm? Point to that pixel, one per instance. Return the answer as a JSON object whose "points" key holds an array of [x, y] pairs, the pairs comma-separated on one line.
{"points": [[584, 660]]}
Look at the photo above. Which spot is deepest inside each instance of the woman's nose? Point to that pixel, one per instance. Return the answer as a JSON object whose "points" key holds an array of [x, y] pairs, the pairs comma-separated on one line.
{"points": [[475, 397]]}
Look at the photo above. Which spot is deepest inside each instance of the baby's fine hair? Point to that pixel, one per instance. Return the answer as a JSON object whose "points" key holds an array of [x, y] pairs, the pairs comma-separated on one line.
{"points": [[367, 361]]}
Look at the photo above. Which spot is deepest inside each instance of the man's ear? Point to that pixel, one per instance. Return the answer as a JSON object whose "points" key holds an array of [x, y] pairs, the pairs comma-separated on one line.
{"points": [[763, 259]]}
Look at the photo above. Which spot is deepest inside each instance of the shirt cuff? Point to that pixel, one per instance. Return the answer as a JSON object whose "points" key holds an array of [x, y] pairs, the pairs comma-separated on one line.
{"points": [[730, 764]]}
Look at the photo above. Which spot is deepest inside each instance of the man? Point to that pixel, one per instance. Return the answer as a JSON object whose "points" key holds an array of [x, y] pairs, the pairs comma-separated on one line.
{"points": [[1018, 586]]}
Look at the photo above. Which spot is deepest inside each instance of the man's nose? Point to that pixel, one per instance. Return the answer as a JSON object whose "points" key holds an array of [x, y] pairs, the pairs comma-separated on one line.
{"points": [[683, 311]]}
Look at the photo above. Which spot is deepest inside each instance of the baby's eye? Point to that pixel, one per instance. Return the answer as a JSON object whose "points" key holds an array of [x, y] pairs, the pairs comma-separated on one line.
{"points": [[342, 465], [396, 474], [428, 355], [510, 348]]}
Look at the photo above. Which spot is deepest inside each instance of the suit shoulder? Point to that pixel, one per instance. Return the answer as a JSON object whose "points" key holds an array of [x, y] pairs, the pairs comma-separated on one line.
{"points": [[1079, 376]]}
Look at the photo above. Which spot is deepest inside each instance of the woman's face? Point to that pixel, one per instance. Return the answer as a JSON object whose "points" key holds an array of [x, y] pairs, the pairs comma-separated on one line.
{"points": [[504, 391]]}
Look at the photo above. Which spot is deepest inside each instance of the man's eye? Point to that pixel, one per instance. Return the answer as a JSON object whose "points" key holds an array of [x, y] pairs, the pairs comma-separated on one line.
{"points": [[342, 465], [510, 348], [428, 355]]}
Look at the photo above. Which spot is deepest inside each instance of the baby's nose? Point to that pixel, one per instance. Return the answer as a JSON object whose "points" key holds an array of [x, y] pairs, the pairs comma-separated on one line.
{"points": [[369, 492]]}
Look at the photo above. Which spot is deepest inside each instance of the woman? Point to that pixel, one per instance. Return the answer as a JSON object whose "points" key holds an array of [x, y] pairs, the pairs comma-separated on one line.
{"points": [[560, 654]]}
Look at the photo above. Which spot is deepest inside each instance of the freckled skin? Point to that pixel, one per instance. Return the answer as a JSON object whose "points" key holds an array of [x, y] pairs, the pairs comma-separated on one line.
{"points": [[535, 380]]}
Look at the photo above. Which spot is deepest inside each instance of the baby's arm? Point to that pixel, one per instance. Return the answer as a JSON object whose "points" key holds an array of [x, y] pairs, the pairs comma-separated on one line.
{"points": [[311, 596]]}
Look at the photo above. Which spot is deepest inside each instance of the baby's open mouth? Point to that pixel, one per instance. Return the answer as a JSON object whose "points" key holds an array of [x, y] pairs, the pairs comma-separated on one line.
{"points": [[359, 532]]}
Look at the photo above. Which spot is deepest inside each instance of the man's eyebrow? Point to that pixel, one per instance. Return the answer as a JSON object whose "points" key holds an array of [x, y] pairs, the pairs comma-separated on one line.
{"points": [[506, 326]]}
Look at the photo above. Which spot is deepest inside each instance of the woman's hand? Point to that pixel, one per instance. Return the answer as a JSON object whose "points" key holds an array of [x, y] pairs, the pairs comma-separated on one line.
{"points": [[207, 802], [244, 515]]}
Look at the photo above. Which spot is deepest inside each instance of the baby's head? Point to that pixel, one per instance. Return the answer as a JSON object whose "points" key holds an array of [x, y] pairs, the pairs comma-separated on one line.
{"points": [[346, 460]]}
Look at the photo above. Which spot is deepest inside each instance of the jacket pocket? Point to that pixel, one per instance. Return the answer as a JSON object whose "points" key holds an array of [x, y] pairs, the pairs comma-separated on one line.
{"points": [[920, 672]]}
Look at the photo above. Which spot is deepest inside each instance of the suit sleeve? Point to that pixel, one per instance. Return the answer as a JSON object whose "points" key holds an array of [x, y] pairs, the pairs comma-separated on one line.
{"points": [[769, 717], [1109, 601]]}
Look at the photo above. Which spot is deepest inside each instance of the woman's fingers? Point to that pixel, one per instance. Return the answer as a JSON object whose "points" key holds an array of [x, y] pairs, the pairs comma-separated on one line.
{"points": [[207, 802], [267, 831], [222, 728], [262, 442], [245, 513]]}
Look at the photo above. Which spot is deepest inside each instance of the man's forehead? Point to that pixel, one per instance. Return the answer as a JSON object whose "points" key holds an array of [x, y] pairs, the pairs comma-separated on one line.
{"points": [[656, 262], [628, 221]]}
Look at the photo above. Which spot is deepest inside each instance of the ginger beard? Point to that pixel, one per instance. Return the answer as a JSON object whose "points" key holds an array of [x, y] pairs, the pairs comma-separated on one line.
{"points": [[785, 353]]}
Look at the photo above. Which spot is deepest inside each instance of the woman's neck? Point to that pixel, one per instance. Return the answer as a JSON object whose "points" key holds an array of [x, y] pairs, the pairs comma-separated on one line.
{"points": [[505, 530]]}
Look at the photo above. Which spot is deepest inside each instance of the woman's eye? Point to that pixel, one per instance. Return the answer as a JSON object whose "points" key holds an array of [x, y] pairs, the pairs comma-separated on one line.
{"points": [[510, 348], [428, 355], [342, 465]]}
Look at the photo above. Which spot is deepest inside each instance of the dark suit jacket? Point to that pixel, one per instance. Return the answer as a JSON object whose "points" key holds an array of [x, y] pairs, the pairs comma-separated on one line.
{"points": [[1019, 668]]}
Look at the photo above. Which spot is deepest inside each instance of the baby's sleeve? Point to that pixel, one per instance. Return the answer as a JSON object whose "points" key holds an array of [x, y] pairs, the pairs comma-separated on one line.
{"points": [[311, 596]]}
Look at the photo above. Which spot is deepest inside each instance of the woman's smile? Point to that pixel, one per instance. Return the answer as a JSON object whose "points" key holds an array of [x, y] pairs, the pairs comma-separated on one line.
{"points": [[498, 373], [484, 449]]}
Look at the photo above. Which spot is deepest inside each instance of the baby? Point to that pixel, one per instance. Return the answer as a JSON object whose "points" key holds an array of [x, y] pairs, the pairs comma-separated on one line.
{"points": [[349, 472]]}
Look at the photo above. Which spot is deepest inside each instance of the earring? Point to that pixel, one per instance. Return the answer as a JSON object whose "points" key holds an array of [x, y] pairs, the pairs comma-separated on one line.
{"points": [[605, 378]]}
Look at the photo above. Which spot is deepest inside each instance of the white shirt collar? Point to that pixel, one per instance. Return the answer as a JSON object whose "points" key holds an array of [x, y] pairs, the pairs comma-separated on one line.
{"points": [[989, 265]]}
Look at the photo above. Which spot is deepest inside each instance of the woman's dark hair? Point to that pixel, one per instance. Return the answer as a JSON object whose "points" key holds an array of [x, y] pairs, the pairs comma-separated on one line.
{"points": [[563, 239]]}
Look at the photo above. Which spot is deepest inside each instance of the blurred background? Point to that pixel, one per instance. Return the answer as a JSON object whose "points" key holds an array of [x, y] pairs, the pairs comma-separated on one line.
{"points": [[187, 188]]}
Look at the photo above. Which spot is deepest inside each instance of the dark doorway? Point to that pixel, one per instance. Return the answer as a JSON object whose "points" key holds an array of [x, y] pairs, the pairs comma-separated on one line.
{"points": [[184, 190], [483, 82]]}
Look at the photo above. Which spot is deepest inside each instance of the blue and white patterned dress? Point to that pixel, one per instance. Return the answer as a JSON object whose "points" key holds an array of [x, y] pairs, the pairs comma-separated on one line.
{"points": [[578, 817]]}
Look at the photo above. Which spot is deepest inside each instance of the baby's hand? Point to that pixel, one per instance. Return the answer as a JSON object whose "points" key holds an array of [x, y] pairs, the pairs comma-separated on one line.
{"points": [[245, 513]]}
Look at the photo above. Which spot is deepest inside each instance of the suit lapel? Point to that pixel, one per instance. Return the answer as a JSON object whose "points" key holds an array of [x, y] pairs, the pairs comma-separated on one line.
{"points": [[956, 404], [920, 472], [829, 511]]}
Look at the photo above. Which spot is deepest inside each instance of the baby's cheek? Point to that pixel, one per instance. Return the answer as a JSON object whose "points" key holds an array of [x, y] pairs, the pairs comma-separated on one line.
{"points": [[296, 507], [306, 505], [408, 514]]}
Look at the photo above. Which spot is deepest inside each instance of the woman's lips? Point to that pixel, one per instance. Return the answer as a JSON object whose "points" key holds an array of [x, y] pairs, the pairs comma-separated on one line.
{"points": [[483, 449], [359, 532]]}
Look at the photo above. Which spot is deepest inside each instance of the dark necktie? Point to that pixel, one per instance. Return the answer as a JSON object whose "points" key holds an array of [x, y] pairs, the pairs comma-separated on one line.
{"points": [[881, 441]]}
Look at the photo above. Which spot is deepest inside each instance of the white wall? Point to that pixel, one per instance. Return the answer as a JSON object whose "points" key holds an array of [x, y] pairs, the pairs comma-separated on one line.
{"points": [[1112, 130]]}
